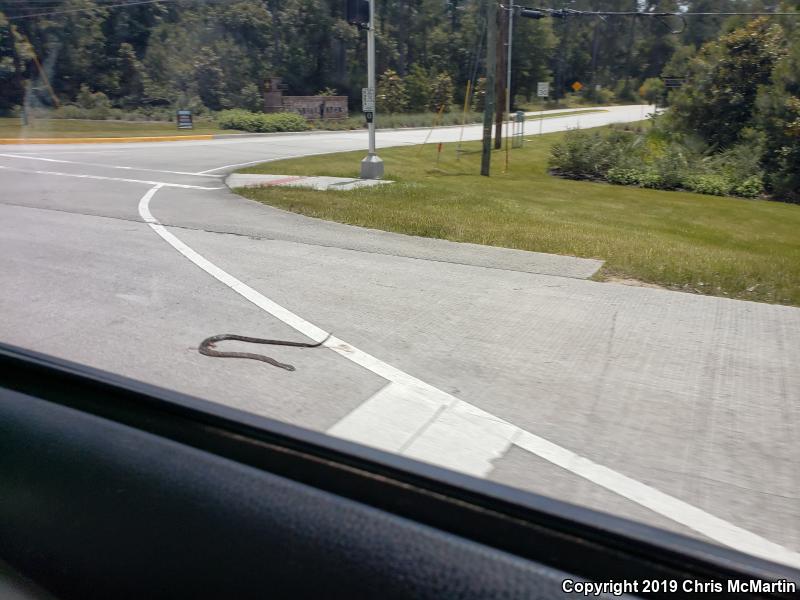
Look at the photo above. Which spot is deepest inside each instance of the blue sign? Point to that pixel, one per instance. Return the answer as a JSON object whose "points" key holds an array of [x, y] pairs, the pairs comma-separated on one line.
{"points": [[184, 119]]}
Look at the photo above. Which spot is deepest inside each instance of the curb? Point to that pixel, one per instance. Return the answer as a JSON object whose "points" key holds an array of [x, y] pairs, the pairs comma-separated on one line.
{"points": [[105, 140]]}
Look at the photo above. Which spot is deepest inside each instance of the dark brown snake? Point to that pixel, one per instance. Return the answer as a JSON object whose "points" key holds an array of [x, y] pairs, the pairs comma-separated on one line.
{"points": [[207, 347]]}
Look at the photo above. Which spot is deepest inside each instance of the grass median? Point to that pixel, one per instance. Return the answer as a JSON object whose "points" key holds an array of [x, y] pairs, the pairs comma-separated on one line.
{"points": [[746, 249], [68, 128]]}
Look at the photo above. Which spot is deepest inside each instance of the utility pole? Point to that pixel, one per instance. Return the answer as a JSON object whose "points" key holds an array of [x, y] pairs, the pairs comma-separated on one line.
{"points": [[510, 38], [491, 65], [371, 165], [500, 84]]}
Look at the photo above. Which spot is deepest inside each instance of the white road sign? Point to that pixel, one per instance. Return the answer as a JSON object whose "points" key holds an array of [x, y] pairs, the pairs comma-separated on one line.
{"points": [[368, 99], [543, 89]]}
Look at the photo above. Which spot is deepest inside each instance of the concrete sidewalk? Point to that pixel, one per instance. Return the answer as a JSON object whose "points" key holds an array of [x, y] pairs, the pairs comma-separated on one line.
{"points": [[322, 184]]}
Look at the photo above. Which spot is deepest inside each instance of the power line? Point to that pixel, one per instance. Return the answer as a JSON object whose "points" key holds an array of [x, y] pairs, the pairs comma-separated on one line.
{"points": [[564, 13], [567, 12], [100, 6]]}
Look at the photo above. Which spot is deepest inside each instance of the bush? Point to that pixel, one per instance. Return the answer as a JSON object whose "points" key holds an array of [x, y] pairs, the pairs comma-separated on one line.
{"points": [[96, 104], [622, 176], [652, 159], [672, 166], [653, 90], [652, 179], [601, 96], [418, 89], [261, 122], [709, 183], [752, 187], [441, 93], [583, 154], [392, 97], [648, 178]]}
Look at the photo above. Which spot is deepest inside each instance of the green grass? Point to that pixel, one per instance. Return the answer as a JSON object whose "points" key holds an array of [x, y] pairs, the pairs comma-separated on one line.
{"points": [[401, 120], [59, 128], [746, 249]]}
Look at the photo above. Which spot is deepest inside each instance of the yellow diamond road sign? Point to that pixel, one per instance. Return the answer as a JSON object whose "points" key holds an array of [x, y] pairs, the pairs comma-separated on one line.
{"points": [[577, 86]]}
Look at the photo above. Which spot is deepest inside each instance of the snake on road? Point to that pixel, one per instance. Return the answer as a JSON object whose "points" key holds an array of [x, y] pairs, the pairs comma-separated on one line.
{"points": [[207, 347]]}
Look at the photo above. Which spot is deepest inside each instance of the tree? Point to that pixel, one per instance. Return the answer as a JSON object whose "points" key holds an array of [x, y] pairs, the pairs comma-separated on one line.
{"points": [[392, 97], [15, 53], [211, 80], [718, 100], [653, 90], [778, 115], [132, 76], [96, 102], [533, 45], [442, 94], [250, 98], [418, 89], [169, 53]]}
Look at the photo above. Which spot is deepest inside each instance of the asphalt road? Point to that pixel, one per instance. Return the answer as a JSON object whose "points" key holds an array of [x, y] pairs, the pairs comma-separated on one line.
{"points": [[674, 409]]}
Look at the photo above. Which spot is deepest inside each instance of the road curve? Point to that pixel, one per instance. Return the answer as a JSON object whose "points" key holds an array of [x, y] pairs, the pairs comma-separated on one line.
{"points": [[674, 409]]}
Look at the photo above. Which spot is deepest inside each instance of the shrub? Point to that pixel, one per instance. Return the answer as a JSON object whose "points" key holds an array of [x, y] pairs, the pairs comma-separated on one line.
{"points": [[441, 93], [672, 166], [418, 89], [625, 90], [250, 97], [97, 104], [752, 187], [70, 111], [392, 97], [652, 159], [591, 154], [261, 122], [653, 90], [709, 183], [651, 178], [601, 96], [623, 176]]}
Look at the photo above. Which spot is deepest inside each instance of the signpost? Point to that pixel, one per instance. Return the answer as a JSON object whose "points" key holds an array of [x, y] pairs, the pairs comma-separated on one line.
{"points": [[673, 82], [519, 129], [184, 119], [368, 100], [543, 89], [371, 164], [577, 86]]}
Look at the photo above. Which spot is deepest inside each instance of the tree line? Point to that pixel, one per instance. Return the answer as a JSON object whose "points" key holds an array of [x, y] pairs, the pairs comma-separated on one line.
{"points": [[732, 129], [216, 55]]}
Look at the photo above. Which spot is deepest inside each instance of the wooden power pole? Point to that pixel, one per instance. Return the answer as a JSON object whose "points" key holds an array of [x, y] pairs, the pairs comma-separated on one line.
{"points": [[500, 85], [491, 66]]}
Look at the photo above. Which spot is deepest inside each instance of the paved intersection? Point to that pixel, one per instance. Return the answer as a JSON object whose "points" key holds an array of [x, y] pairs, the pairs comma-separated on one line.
{"points": [[681, 410]]}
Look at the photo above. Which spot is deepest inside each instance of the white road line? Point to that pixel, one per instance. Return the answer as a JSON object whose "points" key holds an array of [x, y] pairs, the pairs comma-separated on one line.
{"points": [[414, 418], [263, 160], [659, 502], [107, 166], [244, 164], [69, 152], [82, 176]]}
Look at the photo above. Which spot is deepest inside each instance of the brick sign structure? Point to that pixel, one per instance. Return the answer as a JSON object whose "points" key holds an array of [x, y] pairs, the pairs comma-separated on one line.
{"points": [[317, 107], [311, 107]]}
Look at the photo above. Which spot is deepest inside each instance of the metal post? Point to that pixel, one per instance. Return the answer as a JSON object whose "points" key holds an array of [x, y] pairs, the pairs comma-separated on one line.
{"points": [[371, 165], [508, 76], [488, 110]]}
